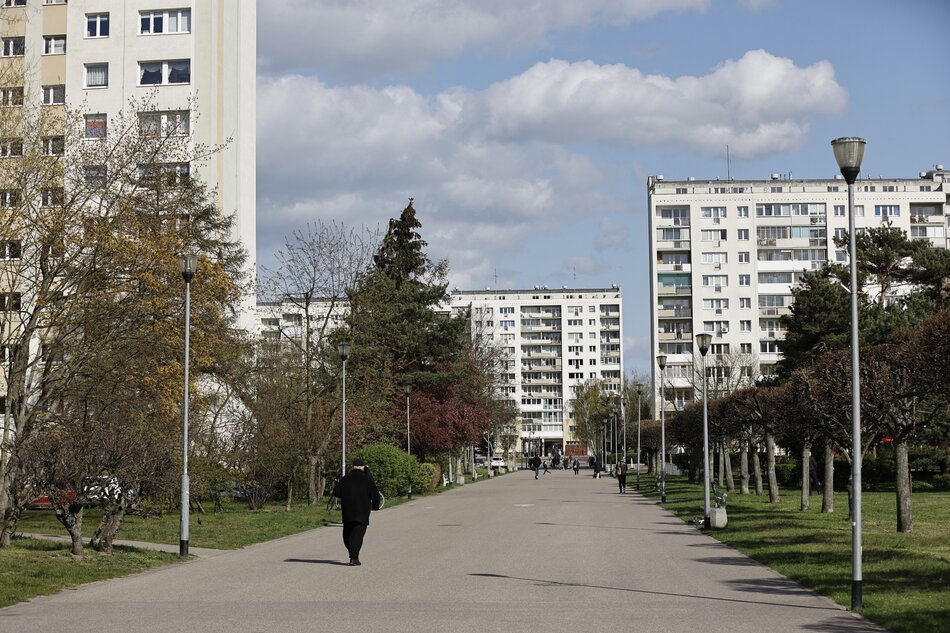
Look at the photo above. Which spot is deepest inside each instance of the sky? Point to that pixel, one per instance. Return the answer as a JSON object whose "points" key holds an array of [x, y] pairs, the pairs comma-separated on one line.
{"points": [[525, 130]]}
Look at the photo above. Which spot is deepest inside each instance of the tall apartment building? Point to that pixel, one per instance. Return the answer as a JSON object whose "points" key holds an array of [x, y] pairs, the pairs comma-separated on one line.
{"points": [[725, 256], [198, 57], [551, 341]]}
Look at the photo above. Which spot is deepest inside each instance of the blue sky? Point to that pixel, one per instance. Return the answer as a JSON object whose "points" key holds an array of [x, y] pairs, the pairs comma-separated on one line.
{"points": [[525, 131]]}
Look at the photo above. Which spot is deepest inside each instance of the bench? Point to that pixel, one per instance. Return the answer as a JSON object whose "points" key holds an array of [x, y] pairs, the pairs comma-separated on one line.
{"points": [[445, 480]]}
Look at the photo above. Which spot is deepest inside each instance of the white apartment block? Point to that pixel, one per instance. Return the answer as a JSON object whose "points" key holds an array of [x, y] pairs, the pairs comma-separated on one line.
{"points": [[550, 341], [725, 256], [198, 57]]}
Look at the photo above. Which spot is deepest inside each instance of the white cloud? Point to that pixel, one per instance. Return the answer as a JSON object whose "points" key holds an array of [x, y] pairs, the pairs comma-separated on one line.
{"points": [[370, 38], [758, 104], [491, 169], [757, 5]]}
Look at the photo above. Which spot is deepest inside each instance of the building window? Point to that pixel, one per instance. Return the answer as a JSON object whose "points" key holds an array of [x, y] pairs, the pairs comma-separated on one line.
{"points": [[713, 235], [832, 188], [714, 258], [166, 21], [712, 212], [745, 302], [11, 147], [171, 123], [745, 280], [10, 302], [11, 96], [13, 46], [768, 347], [745, 348], [743, 257], [54, 95], [715, 280], [97, 25], [54, 45], [9, 198], [839, 210], [743, 234], [745, 326], [859, 210], [10, 249], [52, 197], [14, 3], [170, 175], [887, 210], [96, 125], [95, 176], [53, 145], [97, 75], [165, 72]]}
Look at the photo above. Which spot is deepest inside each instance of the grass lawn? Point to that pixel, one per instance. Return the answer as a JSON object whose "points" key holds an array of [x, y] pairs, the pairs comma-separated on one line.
{"points": [[906, 576], [30, 568]]}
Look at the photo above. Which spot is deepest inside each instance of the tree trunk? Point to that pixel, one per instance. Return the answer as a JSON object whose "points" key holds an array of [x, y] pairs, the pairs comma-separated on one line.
{"points": [[721, 467], [757, 471], [10, 517], [290, 493], [828, 493], [312, 485], [102, 540], [770, 465], [71, 518], [727, 461], [806, 475], [905, 518], [744, 468]]}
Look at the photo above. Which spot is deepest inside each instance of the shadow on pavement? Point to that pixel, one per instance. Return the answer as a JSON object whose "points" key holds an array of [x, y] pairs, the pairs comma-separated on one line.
{"points": [[314, 561], [736, 561], [768, 585], [555, 583]]}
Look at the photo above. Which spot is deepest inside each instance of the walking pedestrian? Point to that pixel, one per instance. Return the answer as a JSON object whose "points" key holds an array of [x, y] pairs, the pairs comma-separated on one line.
{"points": [[358, 496], [536, 466], [577, 466], [621, 473]]}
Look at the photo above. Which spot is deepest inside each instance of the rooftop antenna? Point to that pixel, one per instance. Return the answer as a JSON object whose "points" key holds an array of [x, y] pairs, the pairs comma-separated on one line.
{"points": [[496, 277], [574, 268], [728, 164]]}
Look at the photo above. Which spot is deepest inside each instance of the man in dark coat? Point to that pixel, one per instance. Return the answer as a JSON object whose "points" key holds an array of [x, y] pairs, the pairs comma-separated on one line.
{"points": [[358, 495], [536, 466]]}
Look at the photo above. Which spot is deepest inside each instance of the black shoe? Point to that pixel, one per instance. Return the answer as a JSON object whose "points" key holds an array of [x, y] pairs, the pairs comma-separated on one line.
{"points": [[354, 562]]}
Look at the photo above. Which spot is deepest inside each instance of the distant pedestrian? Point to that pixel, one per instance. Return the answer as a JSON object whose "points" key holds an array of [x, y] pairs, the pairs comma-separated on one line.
{"points": [[546, 468], [621, 473], [577, 466], [358, 496], [598, 466], [536, 466], [590, 461]]}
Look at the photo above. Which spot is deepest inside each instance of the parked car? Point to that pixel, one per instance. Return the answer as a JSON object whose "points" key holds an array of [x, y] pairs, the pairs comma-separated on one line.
{"points": [[498, 462]]}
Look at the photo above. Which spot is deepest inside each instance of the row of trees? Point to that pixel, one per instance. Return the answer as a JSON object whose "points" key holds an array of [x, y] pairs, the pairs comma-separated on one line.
{"points": [[904, 399], [91, 321]]}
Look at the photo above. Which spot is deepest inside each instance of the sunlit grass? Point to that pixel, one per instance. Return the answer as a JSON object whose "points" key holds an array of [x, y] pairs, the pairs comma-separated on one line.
{"points": [[905, 576]]}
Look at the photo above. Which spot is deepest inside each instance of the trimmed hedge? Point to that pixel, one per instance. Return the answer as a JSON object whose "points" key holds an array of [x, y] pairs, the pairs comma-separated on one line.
{"points": [[394, 469]]}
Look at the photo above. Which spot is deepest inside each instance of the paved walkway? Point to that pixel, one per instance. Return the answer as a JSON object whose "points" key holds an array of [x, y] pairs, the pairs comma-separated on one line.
{"points": [[563, 553]]}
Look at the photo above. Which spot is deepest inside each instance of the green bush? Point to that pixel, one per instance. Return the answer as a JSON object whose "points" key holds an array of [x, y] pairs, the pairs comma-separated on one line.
{"points": [[942, 482], [788, 472], [427, 477], [877, 470], [922, 486], [392, 469]]}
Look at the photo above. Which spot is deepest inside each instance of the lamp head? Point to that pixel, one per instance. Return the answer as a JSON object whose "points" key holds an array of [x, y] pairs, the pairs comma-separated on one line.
{"points": [[639, 387], [703, 340], [407, 389], [187, 263], [344, 350], [661, 361], [849, 152]]}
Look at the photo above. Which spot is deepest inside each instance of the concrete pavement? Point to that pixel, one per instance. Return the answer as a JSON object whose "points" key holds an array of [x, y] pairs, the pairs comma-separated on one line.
{"points": [[564, 553]]}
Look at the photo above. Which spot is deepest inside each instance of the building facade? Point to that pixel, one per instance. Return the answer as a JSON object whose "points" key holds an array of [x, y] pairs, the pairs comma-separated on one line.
{"points": [[725, 256], [195, 62], [550, 342]]}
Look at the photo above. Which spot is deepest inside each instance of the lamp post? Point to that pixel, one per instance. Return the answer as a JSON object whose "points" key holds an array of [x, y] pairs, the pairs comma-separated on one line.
{"points": [[661, 361], [704, 340], [623, 423], [408, 390], [849, 152], [639, 409], [187, 262], [344, 350]]}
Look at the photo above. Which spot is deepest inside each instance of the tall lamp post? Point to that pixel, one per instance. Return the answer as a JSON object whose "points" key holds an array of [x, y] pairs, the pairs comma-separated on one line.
{"points": [[704, 340], [623, 422], [661, 361], [849, 152], [187, 262], [408, 390], [639, 409], [344, 350]]}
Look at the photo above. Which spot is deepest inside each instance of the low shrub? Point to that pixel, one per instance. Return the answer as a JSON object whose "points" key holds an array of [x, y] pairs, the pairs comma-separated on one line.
{"points": [[392, 469], [788, 472], [942, 482]]}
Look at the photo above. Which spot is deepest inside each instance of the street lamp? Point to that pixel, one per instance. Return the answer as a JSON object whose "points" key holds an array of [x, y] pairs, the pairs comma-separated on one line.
{"points": [[187, 262], [849, 152], [623, 423], [408, 390], [344, 350], [704, 340], [661, 361], [639, 409]]}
